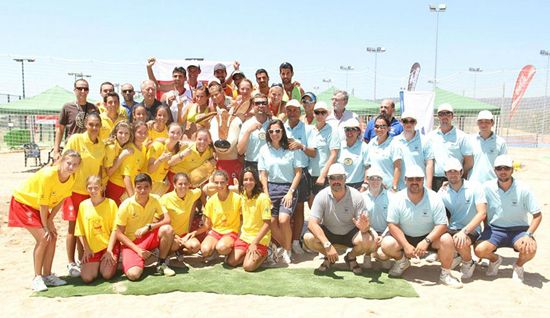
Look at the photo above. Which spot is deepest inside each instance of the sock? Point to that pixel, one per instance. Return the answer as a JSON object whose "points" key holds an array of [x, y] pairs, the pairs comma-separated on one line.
{"points": [[162, 261], [445, 271]]}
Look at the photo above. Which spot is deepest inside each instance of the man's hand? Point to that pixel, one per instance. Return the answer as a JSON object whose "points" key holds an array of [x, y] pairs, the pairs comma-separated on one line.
{"points": [[527, 245], [142, 230], [409, 251], [151, 61], [460, 239], [320, 181], [421, 248], [331, 254], [362, 223]]}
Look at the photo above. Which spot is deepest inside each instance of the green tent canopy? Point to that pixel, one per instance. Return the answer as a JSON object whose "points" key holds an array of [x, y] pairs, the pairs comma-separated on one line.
{"points": [[48, 102], [355, 104]]}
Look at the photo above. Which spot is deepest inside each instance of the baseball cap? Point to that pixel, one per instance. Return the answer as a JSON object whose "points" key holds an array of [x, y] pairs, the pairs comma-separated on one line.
{"points": [[504, 160], [311, 96], [452, 164], [414, 171], [445, 107], [237, 73], [293, 103], [193, 65], [336, 168], [374, 172], [352, 123], [485, 114], [219, 66], [320, 105], [408, 114]]}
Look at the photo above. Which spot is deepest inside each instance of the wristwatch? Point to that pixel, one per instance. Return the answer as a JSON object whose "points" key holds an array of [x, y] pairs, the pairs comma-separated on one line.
{"points": [[327, 244], [529, 234], [428, 240]]}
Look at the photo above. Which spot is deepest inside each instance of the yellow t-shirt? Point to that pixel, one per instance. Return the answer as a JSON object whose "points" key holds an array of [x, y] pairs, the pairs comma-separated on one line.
{"points": [[92, 158], [156, 150], [255, 211], [121, 110], [44, 188], [134, 216], [131, 166], [111, 153], [107, 125], [96, 223], [193, 160], [225, 215], [194, 111], [180, 209], [154, 134]]}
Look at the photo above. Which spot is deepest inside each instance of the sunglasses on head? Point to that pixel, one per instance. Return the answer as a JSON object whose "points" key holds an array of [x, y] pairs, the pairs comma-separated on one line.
{"points": [[336, 177], [351, 129], [408, 121], [505, 168], [83, 89], [277, 85], [275, 131], [308, 102], [320, 112]]}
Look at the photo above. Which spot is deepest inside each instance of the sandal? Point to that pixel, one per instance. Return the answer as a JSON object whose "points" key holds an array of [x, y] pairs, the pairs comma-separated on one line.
{"points": [[325, 266], [353, 265]]}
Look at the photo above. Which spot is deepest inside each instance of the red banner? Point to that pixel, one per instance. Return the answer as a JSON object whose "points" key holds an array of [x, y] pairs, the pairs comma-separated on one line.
{"points": [[524, 78]]}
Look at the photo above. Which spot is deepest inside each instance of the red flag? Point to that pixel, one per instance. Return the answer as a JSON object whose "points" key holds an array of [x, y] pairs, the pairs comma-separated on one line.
{"points": [[413, 76], [524, 78]]}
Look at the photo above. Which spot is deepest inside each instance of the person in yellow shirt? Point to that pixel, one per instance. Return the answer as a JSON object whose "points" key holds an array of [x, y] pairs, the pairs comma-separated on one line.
{"points": [[196, 110], [142, 224], [104, 89], [92, 151], [179, 204], [158, 156], [120, 184], [34, 205], [110, 117], [158, 129], [139, 113], [221, 217], [115, 152], [94, 227], [250, 248]]}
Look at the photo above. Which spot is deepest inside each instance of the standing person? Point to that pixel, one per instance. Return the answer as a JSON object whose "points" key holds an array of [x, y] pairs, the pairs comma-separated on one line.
{"points": [[34, 205], [353, 155], [417, 222], [262, 78], [92, 152], [276, 104], [222, 218], [115, 150], [467, 206], [142, 224], [486, 147], [251, 246], [415, 148], [159, 128], [139, 113], [385, 155], [241, 105], [199, 108], [449, 142], [292, 90], [253, 132], [179, 76], [387, 108], [95, 229], [193, 72], [110, 117], [339, 113], [220, 72], [218, 100], [308, 102], [71, 118], [509, 204], [158, 156], [105, 89], [338, 217], [150, 101], [280, 172], [128, 101]]}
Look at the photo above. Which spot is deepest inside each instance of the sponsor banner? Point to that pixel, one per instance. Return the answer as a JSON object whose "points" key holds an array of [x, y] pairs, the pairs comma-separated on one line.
{"points": [[524, 78], [413, 77]]}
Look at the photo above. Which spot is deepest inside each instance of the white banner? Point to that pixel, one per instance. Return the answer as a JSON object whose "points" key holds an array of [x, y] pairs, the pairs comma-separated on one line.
{"points": [[422, 105], [163, 68]]}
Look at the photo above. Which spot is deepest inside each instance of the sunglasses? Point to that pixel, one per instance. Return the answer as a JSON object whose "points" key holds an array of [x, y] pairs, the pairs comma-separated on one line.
{"points": [[275, 131], [351, 129], [308, 102], [415, 179], [320, 112], [444, 113], [127, 91], [261, 103], [336, 177], [375, 179], [277, 85], [408, 121], [82, 89], [380, 126], [505, 168]]}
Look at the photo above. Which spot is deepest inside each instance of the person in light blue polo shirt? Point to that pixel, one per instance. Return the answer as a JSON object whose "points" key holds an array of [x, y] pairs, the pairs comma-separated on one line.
{"points": [[415, 150], [465, 202], [353, 155], [385, 155], [486, 146], [253, 132], [416, 222], [449, 142], [509, 204]]}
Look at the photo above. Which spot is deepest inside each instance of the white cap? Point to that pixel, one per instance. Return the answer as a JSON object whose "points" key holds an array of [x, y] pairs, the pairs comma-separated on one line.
{"points": [[336, 168], [504, 160], [293, 103], [374, 172], [445, 107], [352, 122], [408, 114], [452, 164], [321, 105], [414, 171], [485, 114]]}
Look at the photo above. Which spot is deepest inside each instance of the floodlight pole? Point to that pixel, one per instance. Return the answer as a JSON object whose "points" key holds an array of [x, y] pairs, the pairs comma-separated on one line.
{"points": [[22, 61], [79, 75], [347, 69], [375, 50], [475, 70], [328, 81], [437, 9]]}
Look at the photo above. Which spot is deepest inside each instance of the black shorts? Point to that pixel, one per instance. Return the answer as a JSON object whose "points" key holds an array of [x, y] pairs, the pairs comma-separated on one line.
{"points": [[252, 164], [356, 185], [414, 240], [314, 187], [303, 187], [472, 235], [437, 182], [346, 239]]}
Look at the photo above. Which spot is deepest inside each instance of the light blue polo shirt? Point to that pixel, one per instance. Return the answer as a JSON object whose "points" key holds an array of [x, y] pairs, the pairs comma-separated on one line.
{"points": [[485, 152], [378, 209], [354, 160], [454, 144], [510, 208], [323, 141], [382, 157], [279, 163], [415, 152], [299, 133], [256, 140], [420, 219], [462, 203]]}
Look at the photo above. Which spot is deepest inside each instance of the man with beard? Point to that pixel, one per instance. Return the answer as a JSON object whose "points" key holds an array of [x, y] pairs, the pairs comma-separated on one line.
{"points": [[339, 113], [338, 216], [220, 72], [128, 101], [510, 202], [262, 78], [193, 72], [179, 76], [286, 71], [387, 108]]}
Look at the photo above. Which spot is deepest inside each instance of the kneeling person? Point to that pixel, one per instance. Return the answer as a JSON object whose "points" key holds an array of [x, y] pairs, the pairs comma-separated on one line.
{"points": [[140, 231]]}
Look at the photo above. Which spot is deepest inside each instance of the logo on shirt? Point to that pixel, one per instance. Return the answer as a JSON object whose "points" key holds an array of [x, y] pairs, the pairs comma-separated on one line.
{"points": [[348, 161], [261, 135]]}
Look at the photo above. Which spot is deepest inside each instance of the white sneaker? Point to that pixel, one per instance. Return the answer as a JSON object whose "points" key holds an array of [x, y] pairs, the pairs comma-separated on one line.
{"points": [[399, 267], [297, 248], [456, 261], [492, 269], [74, 270], [163, 269], [285, 257], [38, 284], [449, 280], [467, 269], [367, 262], [431, 257], [52, 280], [517, 273]]}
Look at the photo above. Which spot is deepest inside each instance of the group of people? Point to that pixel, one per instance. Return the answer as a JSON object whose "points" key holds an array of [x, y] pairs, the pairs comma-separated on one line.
{"points": [[245, 159]]}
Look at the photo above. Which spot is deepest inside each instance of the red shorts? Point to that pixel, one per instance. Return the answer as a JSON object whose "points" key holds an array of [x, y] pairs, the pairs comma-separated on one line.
{"points": [[71, 205], [218, 236], [22, 215], [96, 258], [232, 167], [148, 242], [170, 177], [242, 245], [114, 192]]}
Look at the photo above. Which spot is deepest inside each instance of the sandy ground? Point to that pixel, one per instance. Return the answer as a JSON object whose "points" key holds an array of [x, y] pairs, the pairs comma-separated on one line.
{"points": [[483, 296]]}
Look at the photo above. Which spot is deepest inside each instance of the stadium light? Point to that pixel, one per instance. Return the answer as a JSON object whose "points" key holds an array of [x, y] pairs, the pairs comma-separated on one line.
{"points": [[375, 50], [346, 69], [328, 81], [79, 75], [547, 54], [22, 61], [437, 8], [475, 70]]}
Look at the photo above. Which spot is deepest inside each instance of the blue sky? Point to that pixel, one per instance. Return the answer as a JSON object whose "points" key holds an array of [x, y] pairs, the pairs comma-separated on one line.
{"points": [[112, 39]]}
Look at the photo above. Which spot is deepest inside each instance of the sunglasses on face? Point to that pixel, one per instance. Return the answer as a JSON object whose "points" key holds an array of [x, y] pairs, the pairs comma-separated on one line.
{"points": [[408, 121], [444, 113], [336, 177], [263, 102], [275, 131], [320, 112], [380, 126], [82, 89], [500, 168], [415, 179], [375, 179], [127, 91], [308, 102], [351, 129]]}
